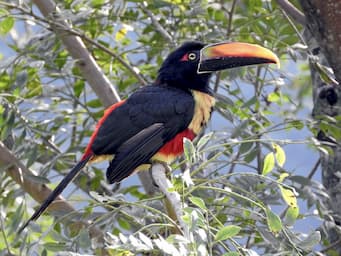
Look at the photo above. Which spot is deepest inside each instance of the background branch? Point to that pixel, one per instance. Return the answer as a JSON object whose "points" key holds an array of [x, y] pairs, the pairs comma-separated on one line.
{"points": [[101, 85], [38, 191], [157, 24]]}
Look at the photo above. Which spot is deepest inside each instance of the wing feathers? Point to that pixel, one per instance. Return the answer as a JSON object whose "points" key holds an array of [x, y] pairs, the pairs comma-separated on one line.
{"points": [[134, 152]]}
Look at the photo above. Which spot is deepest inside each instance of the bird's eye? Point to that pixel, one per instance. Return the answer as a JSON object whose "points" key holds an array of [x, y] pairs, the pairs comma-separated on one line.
{"points": [[192, 56]]}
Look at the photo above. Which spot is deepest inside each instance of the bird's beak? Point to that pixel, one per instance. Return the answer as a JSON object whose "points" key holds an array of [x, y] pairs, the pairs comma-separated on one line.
{"points": [[214, 57]]}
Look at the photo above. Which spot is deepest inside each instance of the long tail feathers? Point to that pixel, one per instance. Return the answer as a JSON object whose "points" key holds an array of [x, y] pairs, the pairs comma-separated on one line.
{"points": [[57, 191]]}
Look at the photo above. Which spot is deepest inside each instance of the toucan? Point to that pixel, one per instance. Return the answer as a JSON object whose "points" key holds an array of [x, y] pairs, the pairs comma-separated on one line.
{"points": [[151, 124]]}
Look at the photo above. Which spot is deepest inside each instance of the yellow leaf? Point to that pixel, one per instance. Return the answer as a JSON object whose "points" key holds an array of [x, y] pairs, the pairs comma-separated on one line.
{"points": [[121, 34], [288, 196], [279, 154], [282, 176]]}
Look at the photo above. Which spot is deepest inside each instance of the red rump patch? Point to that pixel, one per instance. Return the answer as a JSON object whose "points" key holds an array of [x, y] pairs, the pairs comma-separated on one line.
{"points": [[107, 112], [175, 146]]}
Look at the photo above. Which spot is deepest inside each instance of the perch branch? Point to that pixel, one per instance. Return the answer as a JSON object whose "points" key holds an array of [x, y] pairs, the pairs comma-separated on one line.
{"points": [[159, 176]]}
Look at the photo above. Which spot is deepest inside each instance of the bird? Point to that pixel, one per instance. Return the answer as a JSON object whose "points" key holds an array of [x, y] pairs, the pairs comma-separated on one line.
{"points": [[150, 125]]}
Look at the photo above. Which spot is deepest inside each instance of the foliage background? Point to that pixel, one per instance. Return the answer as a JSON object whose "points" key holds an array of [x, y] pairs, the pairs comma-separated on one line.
{"points": [[246, 173]]}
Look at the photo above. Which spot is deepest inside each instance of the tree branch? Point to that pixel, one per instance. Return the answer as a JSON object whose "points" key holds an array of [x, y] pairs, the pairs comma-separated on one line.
{"points": [[20, 174], [156, 23], [101, 85], [159, 176], [86, 63]]}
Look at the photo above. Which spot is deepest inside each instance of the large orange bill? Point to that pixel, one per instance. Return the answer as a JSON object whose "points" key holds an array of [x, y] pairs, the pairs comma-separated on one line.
{"points": [[220, 56]]}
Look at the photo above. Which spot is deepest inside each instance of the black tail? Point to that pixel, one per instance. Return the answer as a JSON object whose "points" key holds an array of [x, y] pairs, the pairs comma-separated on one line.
{"points": [[57, 191]]}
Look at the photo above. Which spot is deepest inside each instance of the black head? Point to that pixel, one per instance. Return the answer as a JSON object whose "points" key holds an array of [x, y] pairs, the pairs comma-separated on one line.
{"points": [[191, 65], [181, 66]]}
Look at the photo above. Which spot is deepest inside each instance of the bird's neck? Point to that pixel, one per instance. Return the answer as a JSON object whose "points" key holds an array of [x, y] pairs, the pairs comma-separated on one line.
{"points": [[195, 84]]}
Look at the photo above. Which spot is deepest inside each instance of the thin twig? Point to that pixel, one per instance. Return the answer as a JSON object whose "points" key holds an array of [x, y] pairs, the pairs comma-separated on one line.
{"points": [[231, 12], [290, 9], [313, 171], [156, 23]]}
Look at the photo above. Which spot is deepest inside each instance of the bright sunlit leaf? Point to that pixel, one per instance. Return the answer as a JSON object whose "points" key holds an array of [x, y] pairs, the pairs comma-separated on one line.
{"points": [[279, 154], [6, 25], [120, 35], [288, 196], [198, 202], [291, 215], [269, 163]]}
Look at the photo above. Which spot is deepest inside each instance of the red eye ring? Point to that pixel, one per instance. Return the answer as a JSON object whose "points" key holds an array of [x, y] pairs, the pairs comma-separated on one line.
{"points": [[185, 57]]}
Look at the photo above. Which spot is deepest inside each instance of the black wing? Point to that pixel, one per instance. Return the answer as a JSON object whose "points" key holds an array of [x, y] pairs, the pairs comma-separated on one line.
{"points": [[137, 129]]}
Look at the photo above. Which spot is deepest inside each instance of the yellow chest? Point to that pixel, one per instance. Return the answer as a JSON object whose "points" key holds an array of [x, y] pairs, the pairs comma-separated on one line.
{"points": [[204, 104]]}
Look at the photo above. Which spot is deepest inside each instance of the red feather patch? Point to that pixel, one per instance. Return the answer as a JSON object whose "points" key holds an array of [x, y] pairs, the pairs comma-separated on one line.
{"points": [[107, 112], [175, 147]]}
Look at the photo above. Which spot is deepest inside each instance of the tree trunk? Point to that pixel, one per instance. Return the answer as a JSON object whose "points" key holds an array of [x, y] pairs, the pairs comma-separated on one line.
{"points": [[323, 20]]}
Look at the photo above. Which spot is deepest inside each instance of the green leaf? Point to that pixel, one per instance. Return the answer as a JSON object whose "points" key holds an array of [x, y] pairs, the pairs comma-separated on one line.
{"points": [[123, 223], [6, 25], [227, 232], [94, 103], [97, 3], [198, 202], [299, 125], [291, 215], [273, 97], [231, 254], [204, 140], [78, 87], [189, 150], [33, 85], [269, 163], [274, 222], [326, 73], [279, 155], [245, 147], [55, 247]]}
